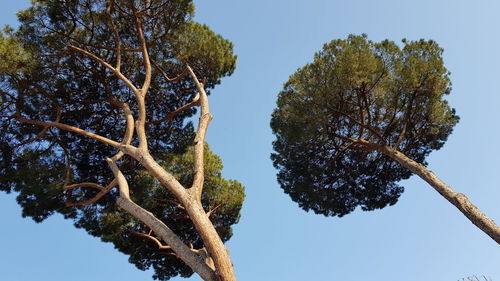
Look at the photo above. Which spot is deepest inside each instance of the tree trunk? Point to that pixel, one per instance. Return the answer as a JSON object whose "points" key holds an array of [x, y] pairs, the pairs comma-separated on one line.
{"points": [[190, 200], [194, 261], [211, 240], [460, 201]]}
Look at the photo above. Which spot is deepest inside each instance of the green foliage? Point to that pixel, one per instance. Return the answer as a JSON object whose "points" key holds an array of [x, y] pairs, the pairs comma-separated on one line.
{"points": [[13, 58], [204, 50], [42, 78], [359, 90]]}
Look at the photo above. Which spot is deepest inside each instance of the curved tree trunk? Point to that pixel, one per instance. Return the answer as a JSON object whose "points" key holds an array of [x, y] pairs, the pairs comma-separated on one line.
{"points": [[459, 200]]}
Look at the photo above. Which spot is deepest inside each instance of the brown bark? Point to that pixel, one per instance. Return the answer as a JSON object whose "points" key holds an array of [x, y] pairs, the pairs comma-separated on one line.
{"points": [[191, 198], [214, 245], [459, 200], [193, 260]]}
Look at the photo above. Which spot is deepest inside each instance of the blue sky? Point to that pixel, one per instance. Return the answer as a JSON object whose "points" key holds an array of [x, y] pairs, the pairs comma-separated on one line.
{"points": [[422, 237]]}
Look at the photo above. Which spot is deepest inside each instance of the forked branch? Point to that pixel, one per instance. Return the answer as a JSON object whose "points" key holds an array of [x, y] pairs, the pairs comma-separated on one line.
{"points": [[108, 66], [165, 76], [154, 239], [171, 115], [369, 128], [102, 191]]}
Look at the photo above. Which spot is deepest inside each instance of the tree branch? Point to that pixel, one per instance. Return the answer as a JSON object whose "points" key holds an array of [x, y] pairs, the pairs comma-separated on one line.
{"points": [[70, 129], [171, 115], [199, 141], [129, 131], [360, 124], [152, 238], [164, 74], [85, 184], [43, 131], [145, 54], [177, 204], [118, 45], [459, 200], [212, 211], [108, 66], [182, 251], [103, 191]]}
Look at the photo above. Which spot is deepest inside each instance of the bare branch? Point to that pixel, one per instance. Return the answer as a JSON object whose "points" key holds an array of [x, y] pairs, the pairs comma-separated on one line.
{"points": [[145, 54], [199, 141], [171, 115], [164, 74], [120, 179], [43, 131], [118, 45], [166, 234], [108, 66], [103, 191], [154, 239], [85, 184], [212, 211], [70, 129], [459, 200], [158, 227], [129, 131]]}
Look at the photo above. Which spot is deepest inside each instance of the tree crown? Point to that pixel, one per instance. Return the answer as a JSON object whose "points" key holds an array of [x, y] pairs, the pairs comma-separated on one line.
{"points": [[49, 74], [358, 91]]}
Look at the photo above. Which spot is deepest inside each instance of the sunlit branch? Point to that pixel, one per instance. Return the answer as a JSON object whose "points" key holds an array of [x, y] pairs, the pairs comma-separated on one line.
{"points": [[212, 211], [120, 179], [129, 130], [181, 250], [199, 141], [85, 184], [108, 66], [70, 129], [154, 239], [145, 54], [165, 76], [118, 45]]}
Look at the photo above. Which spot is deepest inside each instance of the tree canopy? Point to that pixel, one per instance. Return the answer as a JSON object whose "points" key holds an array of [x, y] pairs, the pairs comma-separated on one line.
{"points": [[56, 69], [357, 94]]}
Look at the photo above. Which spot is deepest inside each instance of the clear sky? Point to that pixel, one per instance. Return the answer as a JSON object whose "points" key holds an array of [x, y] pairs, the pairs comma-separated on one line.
{"points": [[422, 237]]}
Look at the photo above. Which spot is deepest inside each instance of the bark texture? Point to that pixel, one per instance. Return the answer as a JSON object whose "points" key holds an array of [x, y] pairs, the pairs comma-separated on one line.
{"points": [[459, 200], [193, 260]]}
